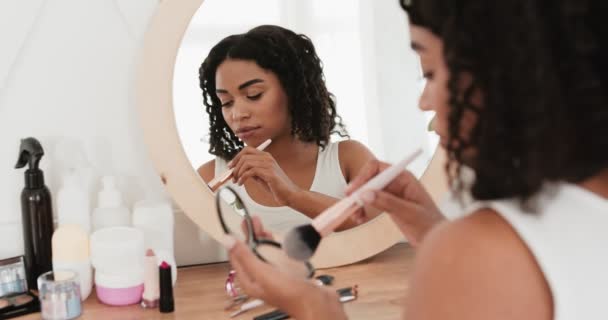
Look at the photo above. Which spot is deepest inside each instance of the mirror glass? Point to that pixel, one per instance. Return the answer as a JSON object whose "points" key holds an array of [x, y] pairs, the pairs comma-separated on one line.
{"points": [[373, 74], [236, 221]]}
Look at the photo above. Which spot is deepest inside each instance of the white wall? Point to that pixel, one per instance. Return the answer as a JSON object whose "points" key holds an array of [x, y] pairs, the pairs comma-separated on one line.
{"points": [[393, 85], [66, 73]]}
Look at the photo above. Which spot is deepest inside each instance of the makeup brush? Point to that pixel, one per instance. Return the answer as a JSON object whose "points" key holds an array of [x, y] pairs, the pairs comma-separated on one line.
{"points": [[246, 307], [301, 242], [222, 178]]}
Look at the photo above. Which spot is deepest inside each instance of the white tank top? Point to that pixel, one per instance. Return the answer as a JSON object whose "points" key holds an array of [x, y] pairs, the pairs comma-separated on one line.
{"points": [[568, 236], [328, 180]]}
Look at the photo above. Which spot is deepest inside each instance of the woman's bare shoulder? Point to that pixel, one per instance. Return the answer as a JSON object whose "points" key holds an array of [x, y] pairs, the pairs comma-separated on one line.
{"points": [[353, 156], [477, 267], [207, 170]]}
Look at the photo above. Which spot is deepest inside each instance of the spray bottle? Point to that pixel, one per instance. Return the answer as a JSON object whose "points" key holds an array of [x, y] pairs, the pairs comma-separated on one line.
{"points": [[37, 213]]}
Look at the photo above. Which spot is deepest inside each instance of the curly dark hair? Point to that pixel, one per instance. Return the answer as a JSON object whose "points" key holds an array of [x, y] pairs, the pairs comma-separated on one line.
{"points": [[293, 59], [542, 70]]}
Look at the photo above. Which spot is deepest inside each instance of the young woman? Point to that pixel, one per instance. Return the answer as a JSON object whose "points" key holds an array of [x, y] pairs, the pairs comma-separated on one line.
{"points": [[268, 83], [520, 91]]}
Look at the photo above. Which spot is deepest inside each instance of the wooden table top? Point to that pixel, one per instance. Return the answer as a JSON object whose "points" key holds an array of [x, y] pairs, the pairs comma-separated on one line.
{"points": [[200, 294]]}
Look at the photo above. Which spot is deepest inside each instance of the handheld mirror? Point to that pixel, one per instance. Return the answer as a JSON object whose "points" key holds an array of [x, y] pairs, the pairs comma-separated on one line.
{"points": [[236, 221]]}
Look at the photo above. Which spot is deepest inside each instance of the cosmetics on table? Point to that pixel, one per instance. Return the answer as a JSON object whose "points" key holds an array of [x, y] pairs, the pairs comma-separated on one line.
{"points": [[149, 298], [12, 276], [119, 289], [15, 299], [156, 220], [59, 295], [71, 252], [110, 210], [241, 303], [345, 295], [166, 303], [73, 203], [247, 306], [273, 315], [117, 254], [36, 213]]}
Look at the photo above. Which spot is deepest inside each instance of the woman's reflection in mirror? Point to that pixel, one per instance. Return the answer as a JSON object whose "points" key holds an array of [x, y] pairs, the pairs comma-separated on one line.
{"points": [[268, 83]]}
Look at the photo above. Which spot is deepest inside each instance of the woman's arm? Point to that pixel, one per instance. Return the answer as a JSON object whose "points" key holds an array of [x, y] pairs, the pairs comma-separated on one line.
{"points": [[353, 156], [477, 268], [207, 171]]}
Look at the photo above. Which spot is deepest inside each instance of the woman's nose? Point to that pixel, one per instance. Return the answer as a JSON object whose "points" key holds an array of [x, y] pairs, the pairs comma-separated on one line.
{"points": [[240, 111], [424, 101]]}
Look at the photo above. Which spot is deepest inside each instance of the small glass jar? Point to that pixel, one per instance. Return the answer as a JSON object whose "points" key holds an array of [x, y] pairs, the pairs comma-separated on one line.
{"points": [[59, 293]]}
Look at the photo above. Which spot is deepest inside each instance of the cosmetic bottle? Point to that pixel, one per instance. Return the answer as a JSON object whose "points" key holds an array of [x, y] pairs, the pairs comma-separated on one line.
{"points": [[155, 219], [110, 211], [37, 213], [71, 252], [117, 254], [73, 203], [149, 298]]}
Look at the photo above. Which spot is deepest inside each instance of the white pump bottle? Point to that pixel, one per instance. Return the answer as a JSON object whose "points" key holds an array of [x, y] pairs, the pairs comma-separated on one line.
{"points": [[110, 211]]}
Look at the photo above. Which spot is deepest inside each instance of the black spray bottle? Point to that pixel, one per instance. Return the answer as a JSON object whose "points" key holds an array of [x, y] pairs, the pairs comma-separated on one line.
{"points": [[36, 213]]}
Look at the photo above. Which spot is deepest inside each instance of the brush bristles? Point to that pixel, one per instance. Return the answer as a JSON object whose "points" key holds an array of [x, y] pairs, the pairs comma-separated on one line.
{"points": [[301, 243]]}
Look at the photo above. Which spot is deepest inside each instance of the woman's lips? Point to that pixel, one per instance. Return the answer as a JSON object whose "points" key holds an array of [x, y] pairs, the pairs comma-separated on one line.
{"points": [[248, 132]]}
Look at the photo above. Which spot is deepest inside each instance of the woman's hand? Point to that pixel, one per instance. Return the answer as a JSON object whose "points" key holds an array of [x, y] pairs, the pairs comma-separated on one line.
{"points": [[405, 199], [258, 229], [260, 166], [298, 297]]}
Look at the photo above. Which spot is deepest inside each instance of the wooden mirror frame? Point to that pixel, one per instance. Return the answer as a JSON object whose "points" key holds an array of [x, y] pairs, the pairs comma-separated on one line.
{"points": [[154, 100]]}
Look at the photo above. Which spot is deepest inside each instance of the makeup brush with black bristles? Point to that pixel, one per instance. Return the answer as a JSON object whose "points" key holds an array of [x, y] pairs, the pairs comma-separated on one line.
{"points": [[301, 242]]}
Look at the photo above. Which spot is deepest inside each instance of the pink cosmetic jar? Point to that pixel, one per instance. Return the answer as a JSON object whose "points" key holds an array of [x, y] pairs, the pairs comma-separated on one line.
{"points": [[117, 254]]}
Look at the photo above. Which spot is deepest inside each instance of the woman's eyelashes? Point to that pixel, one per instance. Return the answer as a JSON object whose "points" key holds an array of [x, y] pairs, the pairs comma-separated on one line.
{"points": [[252, 97]]}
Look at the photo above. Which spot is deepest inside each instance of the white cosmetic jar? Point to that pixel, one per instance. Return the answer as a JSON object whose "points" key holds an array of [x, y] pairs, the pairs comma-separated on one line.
{"points": [[116, 250]]}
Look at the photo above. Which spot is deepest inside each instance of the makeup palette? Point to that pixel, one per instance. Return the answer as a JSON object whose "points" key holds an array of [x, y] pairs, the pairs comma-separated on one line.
{"points": [[12, 276], [15, 300]]}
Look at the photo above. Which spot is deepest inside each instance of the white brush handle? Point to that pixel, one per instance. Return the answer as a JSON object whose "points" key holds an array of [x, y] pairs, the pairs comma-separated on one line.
{"points": [[246, 307], [219, 180], [252, 304], [332, 217]]}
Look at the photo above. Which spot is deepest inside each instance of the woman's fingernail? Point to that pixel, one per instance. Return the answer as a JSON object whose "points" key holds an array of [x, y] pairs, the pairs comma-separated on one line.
{"points": [[368, 196], [228, 242], [347, 189], [229, 164], [360, 202]]}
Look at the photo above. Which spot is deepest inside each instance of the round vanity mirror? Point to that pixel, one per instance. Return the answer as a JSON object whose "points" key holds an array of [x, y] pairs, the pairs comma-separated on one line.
{"points": [[368, 67]]}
